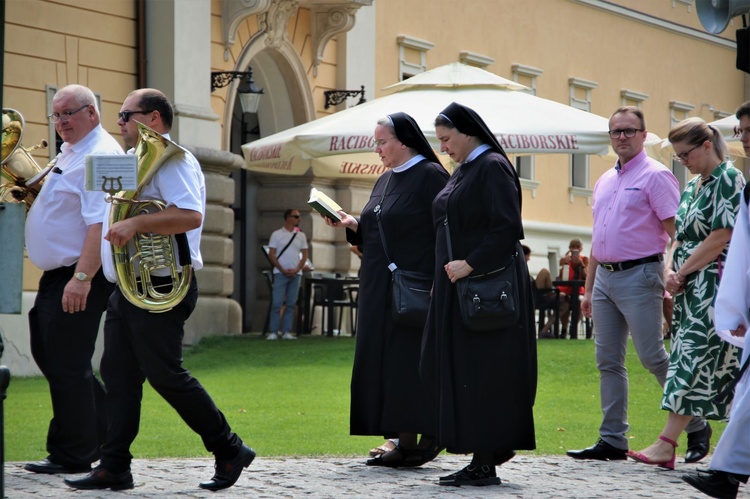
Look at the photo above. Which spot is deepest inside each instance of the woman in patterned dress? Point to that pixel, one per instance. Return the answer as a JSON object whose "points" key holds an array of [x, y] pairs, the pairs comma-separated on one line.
{"points": [[700, 363]]}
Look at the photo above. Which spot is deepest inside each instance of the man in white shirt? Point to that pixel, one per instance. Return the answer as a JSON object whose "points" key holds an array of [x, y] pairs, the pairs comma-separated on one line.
{"points": [[140, 345], [288, 254], [63, 230]]}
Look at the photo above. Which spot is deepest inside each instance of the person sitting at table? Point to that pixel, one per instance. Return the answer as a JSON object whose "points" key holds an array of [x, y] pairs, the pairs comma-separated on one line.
{"points": [[542, 281], [387, 395], [572, 268]]}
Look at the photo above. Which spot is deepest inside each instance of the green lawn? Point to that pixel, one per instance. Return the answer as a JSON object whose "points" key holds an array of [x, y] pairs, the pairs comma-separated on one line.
{"points": [[292, 398]]}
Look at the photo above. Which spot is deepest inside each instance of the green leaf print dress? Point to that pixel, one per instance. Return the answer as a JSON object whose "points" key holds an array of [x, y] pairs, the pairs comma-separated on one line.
{"points": [[700, 362]]}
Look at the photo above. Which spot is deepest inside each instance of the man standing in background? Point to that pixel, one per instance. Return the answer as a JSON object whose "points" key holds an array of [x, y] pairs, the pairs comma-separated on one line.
{"points": [[288, 254]]}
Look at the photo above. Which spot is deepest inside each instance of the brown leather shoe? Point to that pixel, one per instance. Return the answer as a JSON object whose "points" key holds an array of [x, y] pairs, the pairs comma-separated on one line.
{"points": [[100, 478]]}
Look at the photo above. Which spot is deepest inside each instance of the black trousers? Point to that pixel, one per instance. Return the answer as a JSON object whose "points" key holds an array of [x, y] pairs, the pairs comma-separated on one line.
{"points": [[140, 345], [62, 345]]}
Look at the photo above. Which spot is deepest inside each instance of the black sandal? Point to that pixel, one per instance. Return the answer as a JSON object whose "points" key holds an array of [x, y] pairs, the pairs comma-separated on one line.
{"points": [[472, 475], [391, 459], [418, 457]]}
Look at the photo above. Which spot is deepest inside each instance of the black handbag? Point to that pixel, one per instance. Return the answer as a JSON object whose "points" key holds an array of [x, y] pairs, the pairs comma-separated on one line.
{"points": [[410, 293], [487, 301], [410, 290]]}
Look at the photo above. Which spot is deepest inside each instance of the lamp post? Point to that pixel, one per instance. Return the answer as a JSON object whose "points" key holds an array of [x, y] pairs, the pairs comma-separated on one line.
{"points": [[336, 97], [248, 92]]}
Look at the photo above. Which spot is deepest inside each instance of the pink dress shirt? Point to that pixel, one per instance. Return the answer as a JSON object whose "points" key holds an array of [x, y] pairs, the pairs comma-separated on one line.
{"points": [[629, 204]]}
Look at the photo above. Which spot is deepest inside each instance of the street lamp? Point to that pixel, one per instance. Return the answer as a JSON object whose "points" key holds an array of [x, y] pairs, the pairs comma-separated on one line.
{"points": [[248, 92], [336, 97]]}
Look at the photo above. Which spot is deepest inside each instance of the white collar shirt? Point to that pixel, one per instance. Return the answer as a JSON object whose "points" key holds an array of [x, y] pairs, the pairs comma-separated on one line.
{"points": [[60, 217]]}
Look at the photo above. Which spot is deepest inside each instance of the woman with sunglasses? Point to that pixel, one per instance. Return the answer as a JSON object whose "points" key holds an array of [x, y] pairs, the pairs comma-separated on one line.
{"points": [[701, 364]]}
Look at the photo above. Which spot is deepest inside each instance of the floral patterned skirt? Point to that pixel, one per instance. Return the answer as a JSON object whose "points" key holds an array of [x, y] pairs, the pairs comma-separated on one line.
{"points": [[701, 364]]}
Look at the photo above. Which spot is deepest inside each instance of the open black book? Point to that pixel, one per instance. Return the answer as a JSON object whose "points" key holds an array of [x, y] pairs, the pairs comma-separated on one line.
{"points": [[324, 205]]}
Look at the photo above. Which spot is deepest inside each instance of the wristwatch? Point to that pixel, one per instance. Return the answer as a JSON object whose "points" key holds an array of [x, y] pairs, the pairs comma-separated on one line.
{"points": [[81, 276]]}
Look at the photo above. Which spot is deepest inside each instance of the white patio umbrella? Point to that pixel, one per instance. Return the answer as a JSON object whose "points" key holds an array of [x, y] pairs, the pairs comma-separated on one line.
{"points": [[342, 144], [728, 128]]}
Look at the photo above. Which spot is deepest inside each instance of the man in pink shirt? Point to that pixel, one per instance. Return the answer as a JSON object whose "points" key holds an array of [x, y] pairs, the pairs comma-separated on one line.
{"points": [[634, 219]]}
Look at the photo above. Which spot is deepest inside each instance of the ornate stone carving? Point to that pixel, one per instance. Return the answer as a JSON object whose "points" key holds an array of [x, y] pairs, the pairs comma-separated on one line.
{"points": [[232, 13], [275, 20], [328, 20]]}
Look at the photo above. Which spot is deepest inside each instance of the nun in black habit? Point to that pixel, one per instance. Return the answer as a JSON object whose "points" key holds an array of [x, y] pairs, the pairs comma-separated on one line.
{"points": [[484, 382], [387, 395]]}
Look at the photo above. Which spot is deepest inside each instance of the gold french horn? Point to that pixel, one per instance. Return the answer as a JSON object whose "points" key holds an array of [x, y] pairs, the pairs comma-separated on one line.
{"points": [[20, 176], [150, 252]]}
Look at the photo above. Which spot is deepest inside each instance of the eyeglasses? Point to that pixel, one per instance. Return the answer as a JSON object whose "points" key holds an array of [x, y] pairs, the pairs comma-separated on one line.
{"points": [[629, 133], [125, 115], [683, 156], [65, 115], [381, 142], [293, 216]]}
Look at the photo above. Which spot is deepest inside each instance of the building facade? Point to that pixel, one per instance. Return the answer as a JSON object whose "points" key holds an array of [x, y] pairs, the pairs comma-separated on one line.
{"points": [[591, 54]]}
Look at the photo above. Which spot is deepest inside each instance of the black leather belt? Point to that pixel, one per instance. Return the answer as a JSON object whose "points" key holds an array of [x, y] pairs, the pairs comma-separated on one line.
{"points": [[629, 264]]}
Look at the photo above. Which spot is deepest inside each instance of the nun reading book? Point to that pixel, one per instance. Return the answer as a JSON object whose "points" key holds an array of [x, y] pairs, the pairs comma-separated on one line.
{"points": [[388, 398]]}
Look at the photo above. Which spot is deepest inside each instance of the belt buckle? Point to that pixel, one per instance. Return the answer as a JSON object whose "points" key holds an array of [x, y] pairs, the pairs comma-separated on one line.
{"points": [[608, 266]]}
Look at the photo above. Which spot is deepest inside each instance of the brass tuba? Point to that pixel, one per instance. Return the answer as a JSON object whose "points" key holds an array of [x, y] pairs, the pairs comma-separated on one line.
{"points": [[152, 252], [20, 176]]}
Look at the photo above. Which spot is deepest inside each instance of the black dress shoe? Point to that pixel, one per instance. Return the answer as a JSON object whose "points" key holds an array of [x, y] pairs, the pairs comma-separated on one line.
{"points": [[698, 444], [100, 478], [601, 450], [229, 470], [51, 468], [472, 475], [716, 483]]}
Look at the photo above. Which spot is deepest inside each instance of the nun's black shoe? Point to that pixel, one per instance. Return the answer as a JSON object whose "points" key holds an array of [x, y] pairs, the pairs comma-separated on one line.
{"points": [[418, 457], [391, 459], [698, 444], [472, 475], [503, 457]]}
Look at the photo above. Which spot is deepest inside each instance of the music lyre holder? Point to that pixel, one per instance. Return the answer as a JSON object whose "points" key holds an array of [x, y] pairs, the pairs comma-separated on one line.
{"points": [[112, 181]]}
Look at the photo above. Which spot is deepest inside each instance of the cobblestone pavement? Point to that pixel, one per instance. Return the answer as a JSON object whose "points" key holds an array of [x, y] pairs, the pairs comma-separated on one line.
{"points": [[525, 476]]}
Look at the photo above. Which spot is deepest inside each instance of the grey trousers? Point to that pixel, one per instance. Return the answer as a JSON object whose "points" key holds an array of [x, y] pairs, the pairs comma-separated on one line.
{"points": [[628, 301]]}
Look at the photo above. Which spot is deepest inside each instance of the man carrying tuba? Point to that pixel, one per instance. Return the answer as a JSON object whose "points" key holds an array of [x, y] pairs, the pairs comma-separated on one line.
{"points": [[141, 344], [63, 233]]}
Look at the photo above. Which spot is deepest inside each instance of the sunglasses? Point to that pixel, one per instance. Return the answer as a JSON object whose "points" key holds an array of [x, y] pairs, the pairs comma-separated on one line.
{"points": [[125, 115]]}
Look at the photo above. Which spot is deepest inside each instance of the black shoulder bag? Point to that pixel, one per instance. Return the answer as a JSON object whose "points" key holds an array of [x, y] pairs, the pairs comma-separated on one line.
{"points": [[487, 301], [410, 290]]}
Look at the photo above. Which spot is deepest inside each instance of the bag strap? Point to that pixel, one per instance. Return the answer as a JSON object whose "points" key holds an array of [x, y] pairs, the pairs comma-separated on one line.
{"points": [[378, 209], [450, 249], [287, 245]]}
